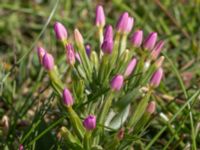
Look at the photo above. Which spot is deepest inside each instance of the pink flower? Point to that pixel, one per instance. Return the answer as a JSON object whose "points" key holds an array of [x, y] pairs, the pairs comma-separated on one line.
{"points": [[107, 47], [151, 107], [90, 122], [48, 61], [157, 49], [108, 34], [117, 82], [67, 98], [70, 54], [129, 24], [150, 41], [136, 38], [60, 31], [130, 67], [156, 78], [78, 37], [40, 52], [100, 17], [122, 23]]}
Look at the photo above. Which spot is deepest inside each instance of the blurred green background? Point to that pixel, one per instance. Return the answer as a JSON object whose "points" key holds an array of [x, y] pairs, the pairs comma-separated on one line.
{"points": [[25, 24]]}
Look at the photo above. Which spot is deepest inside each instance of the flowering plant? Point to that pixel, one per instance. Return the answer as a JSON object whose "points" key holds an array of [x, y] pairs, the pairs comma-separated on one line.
{"points": [[106, 90]]}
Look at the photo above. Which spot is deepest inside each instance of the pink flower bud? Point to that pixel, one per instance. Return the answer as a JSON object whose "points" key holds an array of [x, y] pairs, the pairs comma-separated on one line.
{"points": [[122, 23], [40, 52], [156, 78], [48, 61], [120, 134], [78, 37], [136, 39], [100, 17], [70, 54], [159, 62], [117, 82], [108, 34], [150, 41], [88, 49], [21, 147], [156, 50], [78, 57], [129, 24], [90, 122], [130, 67], [151, 107], [67, 98], [107, 47], [60, 31]]}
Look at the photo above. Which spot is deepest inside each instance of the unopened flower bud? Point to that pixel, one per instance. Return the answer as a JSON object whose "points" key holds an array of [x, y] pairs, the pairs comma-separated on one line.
{"points": [[78, 38], [129, 24], [48, 61], [107, 47], [130, 67], [60, 31], [122, 23], [136, 39], [70, 54], [117, 82], [120, 134], [88, 49], [108, 34], [160, 61], [100, 17], [90, 122], [78, 57], [21, 147], [67, 98], [40, 52], [156, 78], [157, 49], [150, 41], [151, 107]]}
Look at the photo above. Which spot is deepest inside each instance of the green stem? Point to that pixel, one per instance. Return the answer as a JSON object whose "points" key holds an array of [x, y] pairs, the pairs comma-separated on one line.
{"points": [[87, 140], [85, 62], [56, 81], [143, 121], [106, 107], [103, 71], [69, 138], [76, 122], [141, 107]]}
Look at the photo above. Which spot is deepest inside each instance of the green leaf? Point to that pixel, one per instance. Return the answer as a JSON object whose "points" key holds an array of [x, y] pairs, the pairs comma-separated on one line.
{"points": [[119, 119]]}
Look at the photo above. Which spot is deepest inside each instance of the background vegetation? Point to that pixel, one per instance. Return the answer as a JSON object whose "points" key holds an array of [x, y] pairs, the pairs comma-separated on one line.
{"points": [[26, 101]]}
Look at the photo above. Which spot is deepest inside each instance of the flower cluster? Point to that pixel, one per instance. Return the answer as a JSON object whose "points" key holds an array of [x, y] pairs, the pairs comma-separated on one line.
{"points": [[103, 83]]}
